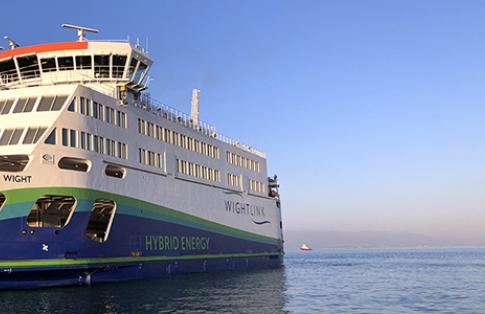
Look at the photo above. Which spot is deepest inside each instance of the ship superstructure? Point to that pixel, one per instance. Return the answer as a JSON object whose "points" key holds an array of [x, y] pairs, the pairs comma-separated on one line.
{"points": [[98, 182]]}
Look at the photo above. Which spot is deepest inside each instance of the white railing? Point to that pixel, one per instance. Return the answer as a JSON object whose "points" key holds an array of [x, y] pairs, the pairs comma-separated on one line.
{"points": [[109, 40], [95, 73], [11, 79], [157, 108]]}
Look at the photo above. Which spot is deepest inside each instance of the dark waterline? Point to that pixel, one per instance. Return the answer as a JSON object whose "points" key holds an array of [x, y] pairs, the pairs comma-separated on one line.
{"points": [[330, 281]]}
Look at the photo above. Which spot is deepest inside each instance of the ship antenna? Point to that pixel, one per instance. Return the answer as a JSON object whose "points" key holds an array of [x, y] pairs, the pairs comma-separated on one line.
{"points": [[80, 31], [12, 44]]}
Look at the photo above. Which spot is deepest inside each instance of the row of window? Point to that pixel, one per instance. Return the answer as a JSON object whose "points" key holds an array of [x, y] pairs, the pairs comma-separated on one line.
{"points": [[198, 171], [101, 64], [234, 180], [178, 139], [146, 157], [98, 111], [13, 136], [105, 66], [241, 161], [257, 186], [94, 143], [27, 104]]}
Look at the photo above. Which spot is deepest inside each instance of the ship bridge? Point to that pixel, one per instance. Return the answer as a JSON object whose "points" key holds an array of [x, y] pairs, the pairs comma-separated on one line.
{"points": [[106, 65]]}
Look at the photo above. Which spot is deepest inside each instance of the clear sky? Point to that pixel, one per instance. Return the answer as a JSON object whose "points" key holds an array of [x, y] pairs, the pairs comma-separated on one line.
{"points": [[371, 112]]}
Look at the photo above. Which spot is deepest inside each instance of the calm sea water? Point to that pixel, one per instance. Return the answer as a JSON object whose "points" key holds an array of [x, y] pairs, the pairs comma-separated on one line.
{"points": [[330, 281]]}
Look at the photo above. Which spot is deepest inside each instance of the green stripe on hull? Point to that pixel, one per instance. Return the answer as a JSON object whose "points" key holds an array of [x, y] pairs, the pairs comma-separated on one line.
{"points": [[30, 194], [122, 260]]}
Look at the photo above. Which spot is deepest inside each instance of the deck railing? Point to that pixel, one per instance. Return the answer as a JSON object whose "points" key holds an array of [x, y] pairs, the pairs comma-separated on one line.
{"points": [[155, 107], [9, 79]]}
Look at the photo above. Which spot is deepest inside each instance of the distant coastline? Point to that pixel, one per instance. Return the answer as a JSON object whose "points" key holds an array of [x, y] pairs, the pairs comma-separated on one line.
{"points": [[371, 239]]}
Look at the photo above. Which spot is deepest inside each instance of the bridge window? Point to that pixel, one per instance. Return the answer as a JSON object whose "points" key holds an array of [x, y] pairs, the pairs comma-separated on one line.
{"points": [[76, 164], [84, 63], [101, 66], [48, 65], [115, 171], [25, 105], [33, 135], [132, 67], [65, 63], [5, 106], [11, 136], [51, 211], [101, 220], [8, 72], [118, 66], [2, 200], [139, 72], [29, 67], [51, 103], [13, 163]]}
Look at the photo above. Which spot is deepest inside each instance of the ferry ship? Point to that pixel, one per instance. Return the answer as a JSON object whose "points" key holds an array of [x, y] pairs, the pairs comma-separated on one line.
{"points": [[99, 182]]}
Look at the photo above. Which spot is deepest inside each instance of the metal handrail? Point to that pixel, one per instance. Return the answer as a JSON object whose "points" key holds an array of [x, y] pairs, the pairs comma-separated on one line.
{"points": [[109, 40], [11, 78], [164, 111]]}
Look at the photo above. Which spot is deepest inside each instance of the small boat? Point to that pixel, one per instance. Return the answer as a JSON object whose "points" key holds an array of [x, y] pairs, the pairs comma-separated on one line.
{"points": [[305, 247]]}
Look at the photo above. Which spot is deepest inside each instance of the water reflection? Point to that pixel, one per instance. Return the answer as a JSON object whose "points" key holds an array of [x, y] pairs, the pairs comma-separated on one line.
{"points": [[256, 291]]}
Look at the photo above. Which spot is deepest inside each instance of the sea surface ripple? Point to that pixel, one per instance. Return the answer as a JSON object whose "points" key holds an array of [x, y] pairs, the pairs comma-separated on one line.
{"points": [[328, 281]]}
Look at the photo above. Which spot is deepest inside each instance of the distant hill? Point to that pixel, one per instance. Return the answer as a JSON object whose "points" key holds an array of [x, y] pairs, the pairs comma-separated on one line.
{"points": [[367, 239]]}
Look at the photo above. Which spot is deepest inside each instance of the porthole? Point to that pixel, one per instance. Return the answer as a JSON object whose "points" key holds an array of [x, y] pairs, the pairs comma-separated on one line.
{"points": [[13, 163], [75, 164], [115, 171]]}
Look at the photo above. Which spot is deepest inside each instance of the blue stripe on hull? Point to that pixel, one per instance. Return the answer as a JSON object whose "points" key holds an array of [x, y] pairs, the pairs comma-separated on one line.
{"points": [[128, 237]]}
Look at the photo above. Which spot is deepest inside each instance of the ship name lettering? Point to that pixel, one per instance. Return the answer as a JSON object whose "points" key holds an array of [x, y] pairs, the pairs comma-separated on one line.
{"points": [[17, 179], [244, 209]]}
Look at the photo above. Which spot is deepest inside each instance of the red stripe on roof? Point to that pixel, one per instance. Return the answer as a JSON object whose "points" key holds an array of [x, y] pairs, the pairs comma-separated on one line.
{"points": [[44, 48]]}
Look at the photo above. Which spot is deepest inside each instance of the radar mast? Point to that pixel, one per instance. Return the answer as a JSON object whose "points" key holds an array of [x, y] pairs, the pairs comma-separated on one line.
{"points": [[80, 31]]}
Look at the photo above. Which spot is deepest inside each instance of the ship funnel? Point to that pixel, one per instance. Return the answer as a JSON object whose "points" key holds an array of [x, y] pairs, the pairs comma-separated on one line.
{"points": [[195, 106], [12, 44], [80, 31]]}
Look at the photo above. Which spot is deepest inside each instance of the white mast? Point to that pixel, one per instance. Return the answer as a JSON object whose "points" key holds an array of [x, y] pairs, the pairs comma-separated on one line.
{"points": [[195, 106]]}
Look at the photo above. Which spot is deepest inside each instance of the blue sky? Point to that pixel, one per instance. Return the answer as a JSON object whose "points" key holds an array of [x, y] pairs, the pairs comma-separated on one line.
{"points": [[372, 112]]}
